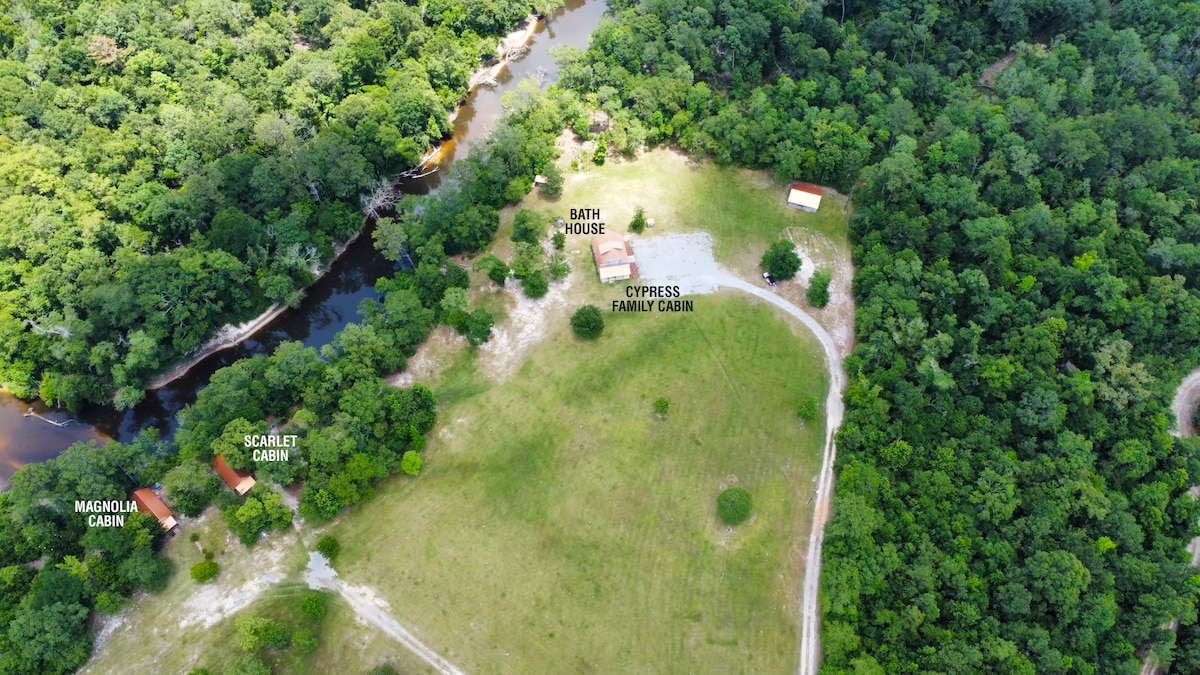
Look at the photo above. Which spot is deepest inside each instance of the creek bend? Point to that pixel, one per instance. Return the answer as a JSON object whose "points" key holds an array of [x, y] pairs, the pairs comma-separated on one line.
{"points": [[329, 304]]}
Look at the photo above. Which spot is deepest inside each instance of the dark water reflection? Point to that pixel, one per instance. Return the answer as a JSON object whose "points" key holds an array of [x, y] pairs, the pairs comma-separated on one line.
{"points": [[330, 304]]}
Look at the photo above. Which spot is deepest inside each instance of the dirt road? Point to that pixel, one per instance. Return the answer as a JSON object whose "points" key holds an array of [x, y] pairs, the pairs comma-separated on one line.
{"points": [[1187, 399], [372, 610], [686, 260]]}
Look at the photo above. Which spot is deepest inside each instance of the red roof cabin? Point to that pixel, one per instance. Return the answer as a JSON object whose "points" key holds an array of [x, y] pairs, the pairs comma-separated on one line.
{"points": [[805, 197], [237, 480], [149, 503]]}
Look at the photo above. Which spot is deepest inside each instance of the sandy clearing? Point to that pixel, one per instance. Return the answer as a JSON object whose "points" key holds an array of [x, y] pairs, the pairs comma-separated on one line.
{"points": [[430, 357], [525, 328], [215, 601], [687, 260], [371, 610], [818, 251]]}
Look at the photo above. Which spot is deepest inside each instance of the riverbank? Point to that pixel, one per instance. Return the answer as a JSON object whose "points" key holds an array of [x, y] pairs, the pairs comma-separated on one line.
{"points": [[230, 335], [507, 49]]}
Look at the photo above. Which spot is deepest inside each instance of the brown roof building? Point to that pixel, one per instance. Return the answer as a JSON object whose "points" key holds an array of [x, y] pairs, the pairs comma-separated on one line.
{"points": [[237, 480], [614, 258], [805, 197], [148, 502]]}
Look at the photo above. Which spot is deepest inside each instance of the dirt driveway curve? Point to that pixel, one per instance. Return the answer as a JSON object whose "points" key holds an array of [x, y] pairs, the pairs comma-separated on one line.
{"points": [[686, 260], [373, 611]]}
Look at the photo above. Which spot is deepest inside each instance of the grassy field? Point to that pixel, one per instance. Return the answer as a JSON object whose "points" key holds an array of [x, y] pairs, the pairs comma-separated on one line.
{"points": [[743, 210], [560, 526]]}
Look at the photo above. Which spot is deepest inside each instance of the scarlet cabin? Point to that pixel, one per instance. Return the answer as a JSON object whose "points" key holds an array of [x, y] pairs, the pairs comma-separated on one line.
{"points": [[238, 481]]}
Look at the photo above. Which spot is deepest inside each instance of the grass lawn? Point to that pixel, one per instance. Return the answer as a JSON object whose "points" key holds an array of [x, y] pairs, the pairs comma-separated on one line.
{"points": [[559, 526], [743, 210]]}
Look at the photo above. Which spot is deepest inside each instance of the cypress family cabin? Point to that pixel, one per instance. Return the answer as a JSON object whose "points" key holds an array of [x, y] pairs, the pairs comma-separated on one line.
{"points": [[804, 197], [237, 480], [614, 258], [149, 503]]}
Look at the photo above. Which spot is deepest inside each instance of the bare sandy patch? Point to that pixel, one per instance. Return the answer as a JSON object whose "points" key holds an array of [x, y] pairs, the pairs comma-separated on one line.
{"points": [[817, 251], [218, 599], [433, 354], [526, 326]]}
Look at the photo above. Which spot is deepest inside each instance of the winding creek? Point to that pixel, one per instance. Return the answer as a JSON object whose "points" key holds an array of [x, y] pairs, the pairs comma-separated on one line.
{"points": [[331, 302]]}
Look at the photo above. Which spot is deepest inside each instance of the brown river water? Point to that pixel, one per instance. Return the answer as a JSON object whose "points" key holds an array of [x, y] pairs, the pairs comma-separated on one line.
{"points": [[331, 303]]}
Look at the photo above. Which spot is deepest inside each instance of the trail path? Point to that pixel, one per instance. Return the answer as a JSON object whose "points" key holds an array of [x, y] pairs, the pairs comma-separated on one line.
{"points": [[1187, 399], [686, 260], [372, 610]]}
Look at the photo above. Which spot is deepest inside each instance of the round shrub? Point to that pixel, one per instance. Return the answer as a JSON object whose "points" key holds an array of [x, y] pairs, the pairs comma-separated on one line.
{"points": [[329, 547], [661, 407], [733, 506], [205, 571], [313, 605], [305, 642], [587, 322]]}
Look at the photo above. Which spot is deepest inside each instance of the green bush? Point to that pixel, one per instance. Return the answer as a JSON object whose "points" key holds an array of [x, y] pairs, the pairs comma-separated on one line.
{"points": [[560, 240], [313, 605], [535, 285], [818, 288], [781, 261], [304, 642], [807, 410], [601, 154], [110, 604], [587, 322], [557, 265], [496, 269], [205, 571], [329, 547], [247, 664], [638, 224], [254, 632], [411, 462], [661, 406], [528, 226], [733, 506]]}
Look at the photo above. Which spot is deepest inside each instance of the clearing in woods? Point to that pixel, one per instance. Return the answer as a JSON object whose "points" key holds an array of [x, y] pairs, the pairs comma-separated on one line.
{"points": [[560, 526]]}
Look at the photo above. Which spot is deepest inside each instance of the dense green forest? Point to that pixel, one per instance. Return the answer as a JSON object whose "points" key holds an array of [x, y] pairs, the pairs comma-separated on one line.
{"points": [[353, 428], [1008, 498], [167, 167]]}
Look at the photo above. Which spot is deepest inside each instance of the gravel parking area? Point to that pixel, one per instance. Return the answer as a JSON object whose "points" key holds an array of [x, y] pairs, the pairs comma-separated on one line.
{"points": [[684, 260]]}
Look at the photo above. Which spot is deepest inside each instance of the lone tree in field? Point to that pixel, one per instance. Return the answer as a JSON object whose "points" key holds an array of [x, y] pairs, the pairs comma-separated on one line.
{"points": [[312, 605], [329, 547], [818, 288], [638, 224], [587, 322], [661, 406], [781, 261], [733, 506], [205, 571], [807, 410]]}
